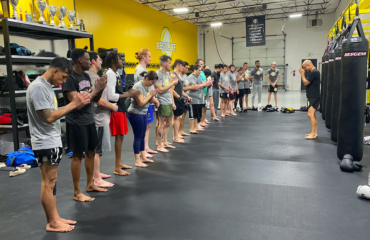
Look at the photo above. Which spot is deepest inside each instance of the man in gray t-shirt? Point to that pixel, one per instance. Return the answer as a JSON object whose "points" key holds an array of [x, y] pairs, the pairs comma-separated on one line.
{"points": [[273, 77], [139, 69], [257, 74], [232, 80], [44, 124]]}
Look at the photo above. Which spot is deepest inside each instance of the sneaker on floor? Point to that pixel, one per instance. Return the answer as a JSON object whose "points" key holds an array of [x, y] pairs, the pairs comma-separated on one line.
{"points": [[245, 110], [241, 110], [16, 172]]}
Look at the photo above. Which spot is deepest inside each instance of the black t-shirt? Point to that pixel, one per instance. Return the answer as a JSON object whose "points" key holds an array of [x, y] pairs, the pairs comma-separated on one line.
{"points": [[313, 89], [216, 77], [78, 83], [178, 87]]}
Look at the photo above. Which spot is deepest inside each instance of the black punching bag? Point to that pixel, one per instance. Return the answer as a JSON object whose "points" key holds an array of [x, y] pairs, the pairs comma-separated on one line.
{"points": [[324, 74], [353, 94], [329, 91], [336, 88], [322, 78]]}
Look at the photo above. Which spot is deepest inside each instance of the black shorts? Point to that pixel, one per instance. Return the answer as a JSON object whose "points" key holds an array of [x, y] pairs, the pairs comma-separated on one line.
{"points": [[99, 147], [190, 111], [313, 102], [203, 105], [53, 155], [241, 93], [247, 91], [180, 108], [82, 138], [224, 95], [196, 110], [232, 96], [273, 89]]}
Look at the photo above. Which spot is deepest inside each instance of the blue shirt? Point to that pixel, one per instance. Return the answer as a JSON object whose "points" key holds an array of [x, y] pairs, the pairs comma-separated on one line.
{"points": [[203, 77]]}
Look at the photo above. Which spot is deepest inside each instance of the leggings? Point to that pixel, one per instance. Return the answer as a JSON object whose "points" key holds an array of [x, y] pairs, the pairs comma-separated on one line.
{"points": [[257, 88], [138, 123], [240, 102]]}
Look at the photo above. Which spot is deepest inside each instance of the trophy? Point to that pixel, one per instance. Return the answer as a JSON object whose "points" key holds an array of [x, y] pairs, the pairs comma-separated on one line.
{"points": [[52, 11], [71, 17], [41, 5], [14, 5], [82, 26], [61, 14]]}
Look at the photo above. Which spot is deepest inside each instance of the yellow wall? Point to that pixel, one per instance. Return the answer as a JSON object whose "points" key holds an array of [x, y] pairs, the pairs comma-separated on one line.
{"points": [[129, 26]]}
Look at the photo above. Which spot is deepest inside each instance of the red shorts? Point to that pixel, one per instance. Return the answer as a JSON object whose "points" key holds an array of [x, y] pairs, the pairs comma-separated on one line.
{"points": [[232, 96], [118, 124]]}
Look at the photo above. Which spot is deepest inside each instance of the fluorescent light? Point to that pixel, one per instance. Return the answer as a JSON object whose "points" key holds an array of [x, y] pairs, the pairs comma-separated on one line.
{"points": [[295, 15], [181, 10], [216, 24]]}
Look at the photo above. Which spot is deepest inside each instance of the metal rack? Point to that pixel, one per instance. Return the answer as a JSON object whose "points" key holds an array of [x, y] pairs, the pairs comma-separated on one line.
{"points": [[11, 27]]}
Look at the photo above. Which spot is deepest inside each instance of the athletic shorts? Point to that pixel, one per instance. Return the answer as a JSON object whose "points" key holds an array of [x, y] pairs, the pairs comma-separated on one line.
{"points": [[180, 108], [189, 110], [224, 95], [53, 155], [81, 138], [103, 139], [313, 102], [203, 105], [241, 94], [272, 89], [232, 96], [247, 91], [118, 123], [165, 110], [196, 110], [149, 114]]}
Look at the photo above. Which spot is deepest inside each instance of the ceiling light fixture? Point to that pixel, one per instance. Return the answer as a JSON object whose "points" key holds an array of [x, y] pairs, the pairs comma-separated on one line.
{"points": [[181, 10], [216, 24], [295, 15]]}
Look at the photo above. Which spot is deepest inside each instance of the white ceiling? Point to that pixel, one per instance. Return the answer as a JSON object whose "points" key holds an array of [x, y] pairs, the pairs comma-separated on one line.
{"points": [[235, 11]]}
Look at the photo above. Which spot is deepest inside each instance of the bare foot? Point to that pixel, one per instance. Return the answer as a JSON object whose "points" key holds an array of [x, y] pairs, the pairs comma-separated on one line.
{"points": [[179, 140], [147, 160], [234, 114], [103, 184], [207, 121], [216, 119], [168, 145], [179, 136], [151, 151], [70, 222], [184, 134], [94, 188], [195, 132], [148, 155], [200, 129], [142, 165], [162, 149], [82, 198], [222, 115], [123, 166], [120, 172], [104, 176], [227, 114], [311, 136], [203, 125], [59, 227]]}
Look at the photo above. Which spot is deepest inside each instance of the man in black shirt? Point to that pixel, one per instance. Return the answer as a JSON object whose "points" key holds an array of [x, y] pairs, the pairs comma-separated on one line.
{"points": [[216, 91], [81, 131], [311, 79]]}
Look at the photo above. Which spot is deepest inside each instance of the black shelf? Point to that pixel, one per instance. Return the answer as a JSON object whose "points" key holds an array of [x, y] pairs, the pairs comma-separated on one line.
{"points": [[9, 128], [27, 60], [22, 93], [39, 31]]}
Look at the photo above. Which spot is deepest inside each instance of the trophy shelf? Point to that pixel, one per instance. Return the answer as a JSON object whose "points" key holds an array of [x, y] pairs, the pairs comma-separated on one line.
{"points": [[39, 31], [27, 60]]}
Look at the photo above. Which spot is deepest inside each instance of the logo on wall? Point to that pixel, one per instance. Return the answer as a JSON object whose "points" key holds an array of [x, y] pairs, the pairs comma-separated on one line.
{"points": [[166, 45]]}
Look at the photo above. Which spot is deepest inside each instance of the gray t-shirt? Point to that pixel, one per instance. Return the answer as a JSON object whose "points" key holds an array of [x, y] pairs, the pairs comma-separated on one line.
{"points": [[40, 96], [257, 75], [232, 77], [224, 79], [241, 82], [101, 115], [247, 74], [165, 80], [134, 107], [185, 82], [196, 95], [273, 74], [139, 69]]}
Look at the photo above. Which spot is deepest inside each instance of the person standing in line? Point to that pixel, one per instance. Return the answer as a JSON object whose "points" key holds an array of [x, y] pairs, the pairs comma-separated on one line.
{"points": [[81, 131], [44, 115], [240, 78], [204, 122], [312, 83], [167, 105], [137, 114], [208, 74], [101, 111], [197, 95], [257, 76], [234, 89], [224, 84], [273, 77], [118, 120], [144, 57], [216, 92], [247, 82]]}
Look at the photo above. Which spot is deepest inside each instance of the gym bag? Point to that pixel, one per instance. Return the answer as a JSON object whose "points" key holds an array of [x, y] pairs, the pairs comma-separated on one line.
{"points": [[15, 49], [23, 156]]}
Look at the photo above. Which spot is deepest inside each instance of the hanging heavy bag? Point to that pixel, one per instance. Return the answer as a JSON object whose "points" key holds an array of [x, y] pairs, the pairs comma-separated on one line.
{"points": [[322, 80], [324, 84], [336, 88], [353, 95], [329, 81]]}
